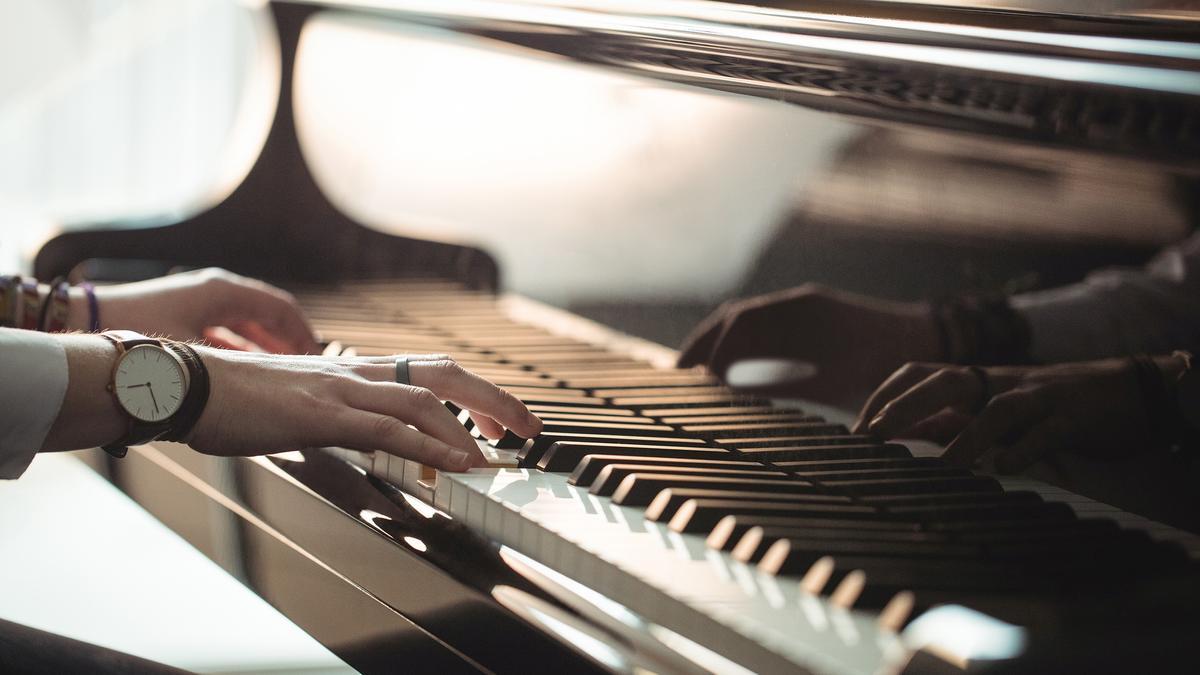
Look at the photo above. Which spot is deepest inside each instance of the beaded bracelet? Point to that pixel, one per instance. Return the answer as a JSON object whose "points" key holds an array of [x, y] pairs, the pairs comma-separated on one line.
{"points": [[93, 307], [30, 300], [56, 307], [9, 293]]}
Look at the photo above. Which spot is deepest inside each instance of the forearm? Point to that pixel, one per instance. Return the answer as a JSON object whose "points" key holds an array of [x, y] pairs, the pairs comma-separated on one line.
{"points": [[1119, 312], [89, 416]]}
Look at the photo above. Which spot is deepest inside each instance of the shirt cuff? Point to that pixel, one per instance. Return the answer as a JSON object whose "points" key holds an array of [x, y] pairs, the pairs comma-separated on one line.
{"points": [[1072, 323], [33, 382]]}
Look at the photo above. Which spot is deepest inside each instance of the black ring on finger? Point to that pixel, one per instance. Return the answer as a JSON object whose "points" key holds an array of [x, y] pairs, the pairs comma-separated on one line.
{"points": [[402, 375], [985, 388]]}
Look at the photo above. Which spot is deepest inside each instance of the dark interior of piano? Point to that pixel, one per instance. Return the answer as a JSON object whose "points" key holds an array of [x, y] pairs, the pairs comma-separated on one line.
{"points": [[556, 194]]}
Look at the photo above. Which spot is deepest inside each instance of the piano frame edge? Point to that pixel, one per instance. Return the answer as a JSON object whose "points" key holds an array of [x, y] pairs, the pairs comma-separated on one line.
{"points": [[277, 224], [355, 583]]}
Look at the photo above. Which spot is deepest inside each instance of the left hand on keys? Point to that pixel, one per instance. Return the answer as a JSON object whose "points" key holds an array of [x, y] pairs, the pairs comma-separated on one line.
{"points": [[225, 309]]}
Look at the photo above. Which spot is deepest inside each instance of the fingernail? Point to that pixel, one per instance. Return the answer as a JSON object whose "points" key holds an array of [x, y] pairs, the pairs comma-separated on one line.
{"points": [[458, 459]]}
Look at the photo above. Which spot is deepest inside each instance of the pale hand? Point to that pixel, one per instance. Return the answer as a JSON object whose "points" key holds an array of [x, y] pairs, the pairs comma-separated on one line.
{"points": [[220, 307], [262, 403]]}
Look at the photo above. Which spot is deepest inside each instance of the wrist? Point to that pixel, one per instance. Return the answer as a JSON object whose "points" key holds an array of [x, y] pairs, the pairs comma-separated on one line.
{"points": [[89, 416], [79, 315]]}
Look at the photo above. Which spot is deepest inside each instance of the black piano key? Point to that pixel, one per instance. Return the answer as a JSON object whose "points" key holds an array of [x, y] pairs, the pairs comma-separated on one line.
{"points": [[905, 574], [729, 530], [531, 452], [580, 410], [719, 411], [747, 418], [816, 426], [610, 477], [639, 489], [593, 417], [796, 453], [586, 471], [590, 466], [564, 456], [803, 551], [651, 389], [796, 441], [567, 427], [701, 515], [534, 392], [668, 503], [839, 435], [550, 398], [568, 372], [1001, 544], [679, 402], [903, 486]]}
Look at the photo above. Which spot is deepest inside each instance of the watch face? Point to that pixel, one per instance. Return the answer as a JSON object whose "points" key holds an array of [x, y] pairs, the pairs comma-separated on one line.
{"points": [[148, 383]]}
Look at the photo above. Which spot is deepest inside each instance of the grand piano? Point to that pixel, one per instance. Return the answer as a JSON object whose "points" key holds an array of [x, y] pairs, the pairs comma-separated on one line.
{"points": [[664, 522]]}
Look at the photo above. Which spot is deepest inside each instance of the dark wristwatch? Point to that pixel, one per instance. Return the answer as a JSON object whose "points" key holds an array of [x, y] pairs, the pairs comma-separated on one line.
{"points": [[150, 384]]}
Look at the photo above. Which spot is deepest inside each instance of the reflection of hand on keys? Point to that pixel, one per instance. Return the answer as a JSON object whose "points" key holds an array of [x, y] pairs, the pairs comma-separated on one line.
{"points": [[769, 373]]}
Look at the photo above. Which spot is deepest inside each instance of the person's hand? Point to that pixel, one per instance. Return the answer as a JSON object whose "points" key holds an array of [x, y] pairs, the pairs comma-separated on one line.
{"points": [[852, 340], [264, 403], [1094, 408], [225, 309]]}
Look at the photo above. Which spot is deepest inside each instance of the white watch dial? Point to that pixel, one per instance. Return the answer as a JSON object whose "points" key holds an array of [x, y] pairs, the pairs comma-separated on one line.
{"points": [[149, 383]]}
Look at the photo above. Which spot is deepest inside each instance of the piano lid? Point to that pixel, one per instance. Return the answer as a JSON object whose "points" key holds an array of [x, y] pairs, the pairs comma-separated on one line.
{"points": [[1128, 95]]}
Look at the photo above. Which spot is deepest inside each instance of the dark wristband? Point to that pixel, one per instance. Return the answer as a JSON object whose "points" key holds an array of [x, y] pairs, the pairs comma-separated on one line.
{"points": [[196, 399], [53, 315], [982, 329]]}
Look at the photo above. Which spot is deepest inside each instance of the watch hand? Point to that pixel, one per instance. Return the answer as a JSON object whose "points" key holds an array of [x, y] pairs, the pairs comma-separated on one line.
{"points": [[135, 386], [152, 399]]}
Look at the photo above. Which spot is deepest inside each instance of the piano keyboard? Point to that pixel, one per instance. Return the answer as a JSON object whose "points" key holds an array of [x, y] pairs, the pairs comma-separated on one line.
{"points": [[766, 533]]}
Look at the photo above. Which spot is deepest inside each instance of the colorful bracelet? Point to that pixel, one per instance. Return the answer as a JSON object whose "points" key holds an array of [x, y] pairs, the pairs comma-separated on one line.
{"points": [[93, 306], [56, 307], [9, 293], [30, 304]]}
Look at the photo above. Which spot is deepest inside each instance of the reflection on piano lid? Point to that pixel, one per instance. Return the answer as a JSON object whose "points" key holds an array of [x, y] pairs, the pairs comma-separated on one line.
{"points": [[665, 523]]}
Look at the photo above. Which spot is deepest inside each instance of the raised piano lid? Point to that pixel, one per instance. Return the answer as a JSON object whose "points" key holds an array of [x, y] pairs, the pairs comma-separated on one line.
{"points": [[1020, 71]]}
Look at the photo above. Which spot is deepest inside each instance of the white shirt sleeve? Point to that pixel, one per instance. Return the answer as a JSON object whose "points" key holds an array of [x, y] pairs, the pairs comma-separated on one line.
{"points": [[33, 382], [1120, 311]]}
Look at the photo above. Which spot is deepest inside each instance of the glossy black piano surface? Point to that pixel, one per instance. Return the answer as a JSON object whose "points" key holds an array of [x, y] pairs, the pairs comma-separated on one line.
{"points": [[905, 149]]}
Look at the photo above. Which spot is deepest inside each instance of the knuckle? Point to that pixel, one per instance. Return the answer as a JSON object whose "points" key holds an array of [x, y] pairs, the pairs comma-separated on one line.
{"points": [[426, 399], [944, 376], [427, 447], [387, 427]]}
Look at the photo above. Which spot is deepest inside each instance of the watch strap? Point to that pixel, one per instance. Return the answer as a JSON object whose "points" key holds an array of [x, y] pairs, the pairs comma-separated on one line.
{"points": [[193, 403]]}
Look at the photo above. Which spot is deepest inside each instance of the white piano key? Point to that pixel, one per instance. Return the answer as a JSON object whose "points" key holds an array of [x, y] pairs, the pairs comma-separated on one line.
{"points": [[668, 578]]}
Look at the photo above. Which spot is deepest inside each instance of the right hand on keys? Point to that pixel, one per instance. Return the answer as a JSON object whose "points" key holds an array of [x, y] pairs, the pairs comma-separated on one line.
{"points": [[263, 403]]}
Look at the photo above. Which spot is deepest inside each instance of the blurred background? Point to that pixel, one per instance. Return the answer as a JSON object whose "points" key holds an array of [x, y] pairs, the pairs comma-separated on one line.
{"points": [[639, 203]]}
